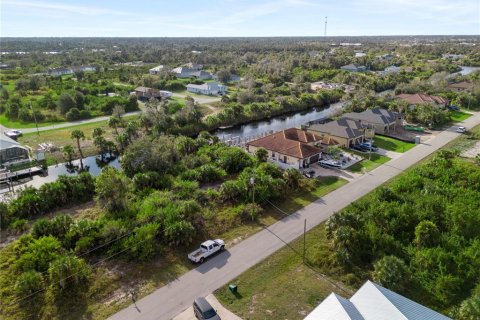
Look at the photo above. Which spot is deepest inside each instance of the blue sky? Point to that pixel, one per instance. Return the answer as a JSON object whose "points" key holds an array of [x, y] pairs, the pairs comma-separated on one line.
{"points": [[192, 18]]}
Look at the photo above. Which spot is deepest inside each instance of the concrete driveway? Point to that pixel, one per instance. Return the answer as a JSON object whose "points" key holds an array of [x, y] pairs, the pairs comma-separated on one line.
{"points": [[222, 312], [198, 98]]}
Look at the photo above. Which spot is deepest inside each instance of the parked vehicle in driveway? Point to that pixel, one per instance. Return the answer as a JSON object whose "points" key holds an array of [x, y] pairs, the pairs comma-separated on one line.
{"points": [[359, 148], [309, 173], [14, 134], [453, 108], [331, 164], [368, 146], [461, 129], [206, 249], [203, 310]]}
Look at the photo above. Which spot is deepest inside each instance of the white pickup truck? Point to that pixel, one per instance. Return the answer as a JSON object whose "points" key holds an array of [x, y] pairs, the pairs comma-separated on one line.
{"points": [[206, 249]]}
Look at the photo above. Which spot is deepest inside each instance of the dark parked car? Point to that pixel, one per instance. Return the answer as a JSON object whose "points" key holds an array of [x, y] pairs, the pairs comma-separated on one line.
{"points": [[359, 148], [368, 145], [309, 173], [453, 108], [203, 310]]}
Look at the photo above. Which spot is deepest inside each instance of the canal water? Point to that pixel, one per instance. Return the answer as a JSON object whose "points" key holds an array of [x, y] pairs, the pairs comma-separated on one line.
{"points": [[467, 70], [279, 123]]}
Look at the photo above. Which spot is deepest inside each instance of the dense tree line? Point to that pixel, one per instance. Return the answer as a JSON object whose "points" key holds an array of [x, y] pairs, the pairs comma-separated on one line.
{"points": [[418, 235]]}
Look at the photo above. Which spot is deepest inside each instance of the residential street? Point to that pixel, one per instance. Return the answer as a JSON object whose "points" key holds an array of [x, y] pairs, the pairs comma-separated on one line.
{"points": [[170, 300], [67, 124]]}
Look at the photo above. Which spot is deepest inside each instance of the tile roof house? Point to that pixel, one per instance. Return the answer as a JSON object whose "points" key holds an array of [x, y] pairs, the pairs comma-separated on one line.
{"points": [[372, 302], [420, 98], [354, 68], [209, 88], [345, 132], [461, 86], [384, 121], [11, 151], [290, 148]]}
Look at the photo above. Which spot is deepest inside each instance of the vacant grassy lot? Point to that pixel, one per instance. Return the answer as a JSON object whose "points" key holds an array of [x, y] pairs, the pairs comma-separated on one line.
{"points": [[61, 137], [392, 144], [281, 286], [458, 116], [367, 164], [4, 121]]}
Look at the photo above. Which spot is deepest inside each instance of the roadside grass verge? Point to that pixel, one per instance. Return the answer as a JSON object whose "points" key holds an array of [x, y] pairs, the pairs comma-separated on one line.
{"points": [[366, 164], [392, 144], [458, 116], [4, 121], [281, 286]]}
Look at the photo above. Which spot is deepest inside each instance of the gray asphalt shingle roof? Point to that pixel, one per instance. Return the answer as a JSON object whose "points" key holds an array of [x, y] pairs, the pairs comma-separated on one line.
{"points": [[344, 128], [377, 115]]}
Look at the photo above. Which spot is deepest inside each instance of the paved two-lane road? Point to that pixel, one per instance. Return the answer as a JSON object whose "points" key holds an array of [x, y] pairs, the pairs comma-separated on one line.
{"points": [[170, 300]]}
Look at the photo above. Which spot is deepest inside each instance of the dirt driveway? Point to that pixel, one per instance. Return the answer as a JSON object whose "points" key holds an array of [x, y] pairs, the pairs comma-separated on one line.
{"points": [[222, 312]]}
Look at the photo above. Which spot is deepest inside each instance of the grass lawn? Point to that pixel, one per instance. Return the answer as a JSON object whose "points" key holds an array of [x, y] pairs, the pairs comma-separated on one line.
{"points": [[392, 144], [4, 121], [281, 286], [458, 116], [368, 165], [179, 100]]}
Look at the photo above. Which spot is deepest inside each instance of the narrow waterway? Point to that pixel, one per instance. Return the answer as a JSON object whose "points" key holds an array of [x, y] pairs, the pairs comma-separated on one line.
{"points": [[279, 123], [467, 70]]}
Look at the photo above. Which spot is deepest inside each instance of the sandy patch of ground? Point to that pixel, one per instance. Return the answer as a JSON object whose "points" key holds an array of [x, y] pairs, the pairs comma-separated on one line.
{"points": [[472, 152]]}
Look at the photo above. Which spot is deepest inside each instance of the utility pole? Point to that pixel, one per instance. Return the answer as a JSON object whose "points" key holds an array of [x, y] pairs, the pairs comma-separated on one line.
{"points": [[325, 31], [252, 182], [34, 118], [304, 239]]}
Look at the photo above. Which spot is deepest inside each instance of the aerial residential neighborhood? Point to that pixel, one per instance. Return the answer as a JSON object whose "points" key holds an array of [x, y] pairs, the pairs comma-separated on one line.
{"points": [[239, 160]]}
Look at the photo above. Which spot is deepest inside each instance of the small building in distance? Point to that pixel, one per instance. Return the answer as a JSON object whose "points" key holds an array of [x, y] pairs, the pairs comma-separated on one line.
{"points": [[289, 148], [345, 132], [372, 302], [331, 86], [56, 72], [421, 98], [354, 68], [157, 70], [384, 121], [208, 88], [11, 151], [144, 93]]}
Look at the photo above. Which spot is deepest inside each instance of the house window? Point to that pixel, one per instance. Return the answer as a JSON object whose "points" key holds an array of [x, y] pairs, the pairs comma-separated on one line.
{"points": [[285, 159], [273, 155]]}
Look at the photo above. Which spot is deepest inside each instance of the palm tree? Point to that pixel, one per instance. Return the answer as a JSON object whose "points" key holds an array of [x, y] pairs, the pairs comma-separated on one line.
{"points": [[113, 122], [78, 134], [68, 153], [97, 132]]}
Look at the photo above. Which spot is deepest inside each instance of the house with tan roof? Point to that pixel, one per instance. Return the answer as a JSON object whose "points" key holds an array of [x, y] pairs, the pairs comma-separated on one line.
{"points": [[461, 86], [291, 147], [144, 93], [421, 98], [343, 132]]}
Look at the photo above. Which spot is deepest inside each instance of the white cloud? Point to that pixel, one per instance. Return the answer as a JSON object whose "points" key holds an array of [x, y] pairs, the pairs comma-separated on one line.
{"points": [[65, 8]]}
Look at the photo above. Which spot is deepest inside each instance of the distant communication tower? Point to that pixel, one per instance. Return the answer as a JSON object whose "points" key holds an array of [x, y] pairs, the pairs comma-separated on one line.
{"points": [[325, 33]]}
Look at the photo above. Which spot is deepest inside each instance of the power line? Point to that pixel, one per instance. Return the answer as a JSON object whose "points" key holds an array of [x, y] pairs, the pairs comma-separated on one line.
{"points": [[92, 265]]}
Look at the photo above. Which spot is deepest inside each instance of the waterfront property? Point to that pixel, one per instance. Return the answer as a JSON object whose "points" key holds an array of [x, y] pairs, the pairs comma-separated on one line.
{"points": [[289, 148], [11, 151], [344, 132], [421, 98], [209, 89], [384, 121], [372, 301]]}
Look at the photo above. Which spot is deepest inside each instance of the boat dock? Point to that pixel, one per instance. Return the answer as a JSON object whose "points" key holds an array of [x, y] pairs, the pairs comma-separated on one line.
{"points": [[8, 176]]}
